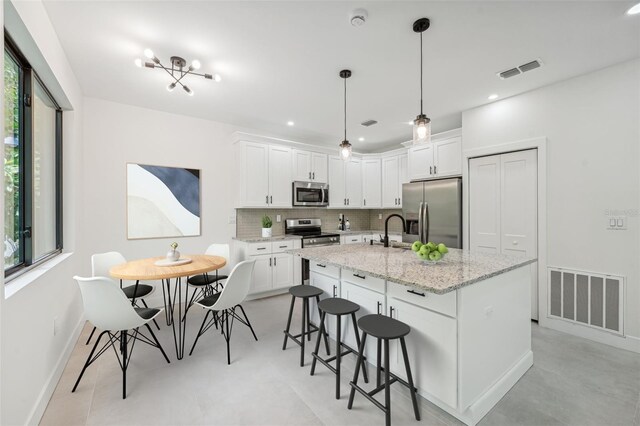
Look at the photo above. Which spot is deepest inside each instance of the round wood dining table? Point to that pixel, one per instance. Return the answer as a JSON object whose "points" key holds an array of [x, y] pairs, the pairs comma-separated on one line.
{"points": [[147, 270]]}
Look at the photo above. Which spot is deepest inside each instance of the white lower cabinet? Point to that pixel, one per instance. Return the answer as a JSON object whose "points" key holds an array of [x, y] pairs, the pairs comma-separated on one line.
{"points": [[350, 239], [262, 274], [432, 350], [274, 268], [330, 287]]}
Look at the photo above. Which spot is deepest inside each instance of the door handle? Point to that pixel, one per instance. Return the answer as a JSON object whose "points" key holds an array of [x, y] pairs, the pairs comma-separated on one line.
{"points": [[314, 176], [266, 199], [271, 199], [391, 311], [309, 175], [420, 223], [435, 170], [270, 259], [348, 201], [430, 170], [334, 291], [365, 201], [345, 201], [399, 201], [379, 308], [426, 221], [275, 259]]}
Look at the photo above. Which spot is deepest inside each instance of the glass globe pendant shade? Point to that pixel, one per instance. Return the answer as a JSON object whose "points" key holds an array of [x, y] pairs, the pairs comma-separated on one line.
{"points": [[345, 150], [421, 129]]}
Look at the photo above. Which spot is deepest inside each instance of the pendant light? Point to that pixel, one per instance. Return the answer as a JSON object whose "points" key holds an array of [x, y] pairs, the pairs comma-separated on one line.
{"points": [[345, 146], [422, 124]]}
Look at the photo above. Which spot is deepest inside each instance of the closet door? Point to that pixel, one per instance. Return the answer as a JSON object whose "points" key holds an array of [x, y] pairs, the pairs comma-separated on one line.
{"points": [[484, 204]]}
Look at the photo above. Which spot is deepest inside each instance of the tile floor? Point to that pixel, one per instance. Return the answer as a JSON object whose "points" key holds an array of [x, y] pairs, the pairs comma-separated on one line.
{"points": [[573, 382]]}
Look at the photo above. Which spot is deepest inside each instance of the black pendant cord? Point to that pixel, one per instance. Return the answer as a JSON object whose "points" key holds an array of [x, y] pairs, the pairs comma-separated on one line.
{"points": [[345, 109], [421, 75]]}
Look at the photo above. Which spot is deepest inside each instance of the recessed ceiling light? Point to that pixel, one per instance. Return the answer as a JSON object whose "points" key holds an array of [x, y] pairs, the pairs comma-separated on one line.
{"points": [[290, 123], [361, 139], [634, 10], [493, 97]]}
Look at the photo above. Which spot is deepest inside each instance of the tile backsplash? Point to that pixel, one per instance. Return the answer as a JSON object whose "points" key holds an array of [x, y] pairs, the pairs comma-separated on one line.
{"points": [[248, 220]]}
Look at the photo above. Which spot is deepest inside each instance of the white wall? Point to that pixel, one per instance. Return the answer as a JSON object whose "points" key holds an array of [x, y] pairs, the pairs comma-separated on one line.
{"points": [[115, 134], [32, 357], [592, 125]]}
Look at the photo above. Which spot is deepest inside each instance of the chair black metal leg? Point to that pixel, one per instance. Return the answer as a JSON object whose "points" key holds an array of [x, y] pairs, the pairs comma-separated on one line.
{"points": [[200, 331], [86, 364], [248, 323], [412, 389], [325, 334], [308, 320], [146, 306], [286, 331], [317, 348], [354, 382], [379, 364], [365, 375], [123, 340], [155, 339], [91, 335], [228, 336], [338, 354], [387, 393], [305, 305]]}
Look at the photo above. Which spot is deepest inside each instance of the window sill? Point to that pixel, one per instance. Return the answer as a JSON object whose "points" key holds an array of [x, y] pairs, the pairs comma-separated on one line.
{"points": [[15, 284]]}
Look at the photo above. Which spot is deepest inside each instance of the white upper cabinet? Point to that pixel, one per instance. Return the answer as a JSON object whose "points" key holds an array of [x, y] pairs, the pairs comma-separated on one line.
{"points": [[309, 166], [265, 175], [345, 183], [436, 159], [371, 183], [390, 182]]}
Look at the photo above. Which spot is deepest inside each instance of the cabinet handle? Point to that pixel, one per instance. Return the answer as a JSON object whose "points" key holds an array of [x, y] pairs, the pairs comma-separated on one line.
{"points": [[283, 246], [399, 201], [348, 201], [270, 259], [320, 265], [266, 199], [365, 201], [261, 248], [435, 170], [309, 175], [379, 308], [271, 199], [359, 276], [416, 293], [395, 201], [430, 170], [345, 201], [275, 261], [391, 311], [314, 176], [334, 291]]}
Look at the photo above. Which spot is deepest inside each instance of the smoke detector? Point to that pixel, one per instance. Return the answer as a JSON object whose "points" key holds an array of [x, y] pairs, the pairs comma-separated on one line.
{"points": [[358, 17]]}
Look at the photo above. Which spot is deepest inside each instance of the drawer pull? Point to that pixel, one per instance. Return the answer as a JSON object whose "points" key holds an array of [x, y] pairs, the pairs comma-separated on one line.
{"points": [[359, 276], [283, 246], [416, 293], [320, 265], [261, 248]]}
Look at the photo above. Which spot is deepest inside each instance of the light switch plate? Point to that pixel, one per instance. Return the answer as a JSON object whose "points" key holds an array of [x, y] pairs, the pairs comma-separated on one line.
{"points": [[380, 216], [278, 218]]}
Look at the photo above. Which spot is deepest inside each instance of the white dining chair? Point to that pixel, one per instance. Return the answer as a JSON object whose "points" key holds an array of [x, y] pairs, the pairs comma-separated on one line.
{"points": [[222, 305], [107, 308], [208, 283], [101, 263]]}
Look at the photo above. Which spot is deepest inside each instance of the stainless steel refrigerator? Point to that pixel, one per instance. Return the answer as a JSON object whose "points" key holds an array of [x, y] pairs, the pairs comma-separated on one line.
{"points": [[433, 211]]}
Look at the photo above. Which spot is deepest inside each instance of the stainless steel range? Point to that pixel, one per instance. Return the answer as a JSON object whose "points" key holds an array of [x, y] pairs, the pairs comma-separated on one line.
{"points": [[312, 236]]}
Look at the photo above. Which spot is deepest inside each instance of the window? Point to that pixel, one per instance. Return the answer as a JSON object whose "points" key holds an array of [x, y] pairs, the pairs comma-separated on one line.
{"points": [[32, 166]]}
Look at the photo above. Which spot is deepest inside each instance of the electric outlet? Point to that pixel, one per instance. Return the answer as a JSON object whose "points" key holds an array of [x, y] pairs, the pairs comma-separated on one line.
{"points": [[278, 218], [380, 216], [616, 223], [55, 325]]}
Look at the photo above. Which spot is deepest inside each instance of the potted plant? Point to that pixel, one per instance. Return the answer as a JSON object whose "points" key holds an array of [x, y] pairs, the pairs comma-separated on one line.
{"points": [[266, 227]]}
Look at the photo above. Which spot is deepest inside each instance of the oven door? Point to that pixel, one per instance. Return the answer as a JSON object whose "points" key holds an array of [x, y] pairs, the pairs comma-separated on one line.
{"points": [[310, 194]]}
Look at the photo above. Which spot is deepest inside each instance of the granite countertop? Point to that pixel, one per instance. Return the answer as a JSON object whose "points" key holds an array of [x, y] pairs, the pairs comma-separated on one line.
{"points": [[259, 239], [457, 269]]}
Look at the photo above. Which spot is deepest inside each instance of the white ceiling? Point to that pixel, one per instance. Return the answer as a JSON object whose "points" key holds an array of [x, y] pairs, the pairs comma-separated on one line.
{"points": [[280, 60]]}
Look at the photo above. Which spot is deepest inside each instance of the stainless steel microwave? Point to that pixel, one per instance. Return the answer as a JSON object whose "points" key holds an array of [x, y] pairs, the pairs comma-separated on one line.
{"points": [[310, 194]]}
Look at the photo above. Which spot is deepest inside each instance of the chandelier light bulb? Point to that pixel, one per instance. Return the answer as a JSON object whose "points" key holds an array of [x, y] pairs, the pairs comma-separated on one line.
{"points": [[634, 10], [189, 91], [148, 53], [171, 86], [217, 78], [138, 62], [195, 64]]}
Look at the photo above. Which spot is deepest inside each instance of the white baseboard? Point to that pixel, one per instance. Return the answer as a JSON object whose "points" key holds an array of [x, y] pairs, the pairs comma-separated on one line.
{"points": [[47, 391], [629, 343]]}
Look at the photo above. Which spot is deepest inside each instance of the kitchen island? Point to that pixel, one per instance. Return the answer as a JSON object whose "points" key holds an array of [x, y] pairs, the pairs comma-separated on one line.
{"points": [[469, 315]]}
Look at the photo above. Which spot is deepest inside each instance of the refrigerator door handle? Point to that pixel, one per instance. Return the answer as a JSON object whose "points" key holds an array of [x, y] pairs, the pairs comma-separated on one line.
{"points": [[420, 224], [425, 222]]}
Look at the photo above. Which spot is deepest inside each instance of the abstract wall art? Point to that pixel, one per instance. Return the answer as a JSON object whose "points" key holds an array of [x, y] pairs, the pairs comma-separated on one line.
{"points": [[162, 201]]}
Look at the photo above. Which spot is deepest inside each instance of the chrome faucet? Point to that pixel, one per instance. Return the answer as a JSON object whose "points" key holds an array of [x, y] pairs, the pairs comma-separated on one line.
{"points": [[386, 227]]}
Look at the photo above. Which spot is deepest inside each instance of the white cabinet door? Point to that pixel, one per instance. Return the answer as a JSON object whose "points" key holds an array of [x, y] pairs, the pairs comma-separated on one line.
{"points": [[370, 302], [279, 176], [421, 161], [301, 165], [337, 194], [371, 184], [432, 350], [262, 274], [350, 239], [484, 204], [403, 166], [448, 157], [330, 287], [297, 265], [255, 179], [282, 270], [353, 180], [390, 182], [319, 164]]}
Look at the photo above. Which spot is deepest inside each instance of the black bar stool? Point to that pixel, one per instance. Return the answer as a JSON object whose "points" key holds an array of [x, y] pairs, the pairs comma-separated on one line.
{"points": [[384, 329], [304, 292], [338, 307]]}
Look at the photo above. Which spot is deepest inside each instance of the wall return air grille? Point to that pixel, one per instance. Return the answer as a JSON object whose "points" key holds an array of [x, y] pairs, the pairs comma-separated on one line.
{"points": [[594, 300]]}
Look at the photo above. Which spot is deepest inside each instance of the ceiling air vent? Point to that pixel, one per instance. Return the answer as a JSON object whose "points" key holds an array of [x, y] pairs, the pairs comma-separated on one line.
{"points": [[530, 66], [369, 123], [512, 72]]}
